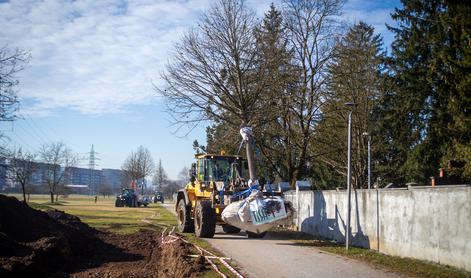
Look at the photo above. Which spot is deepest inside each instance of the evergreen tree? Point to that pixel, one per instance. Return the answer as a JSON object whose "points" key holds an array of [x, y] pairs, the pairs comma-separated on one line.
{"points": [[160, 177], [425, 115], [452, 72], [405, 111], [198, 148], [221, 137], [355, 76], [274, 133]]}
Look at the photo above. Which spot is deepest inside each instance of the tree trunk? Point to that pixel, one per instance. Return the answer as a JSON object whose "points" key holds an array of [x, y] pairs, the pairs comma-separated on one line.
{"points": [[24, 193], [52, 197]]}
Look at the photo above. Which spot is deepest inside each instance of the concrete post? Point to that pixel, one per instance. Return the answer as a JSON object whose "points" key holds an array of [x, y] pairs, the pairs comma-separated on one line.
{"points": [[369, 162], [368, 137], [349, 180], [297, 207], [377, 219]]}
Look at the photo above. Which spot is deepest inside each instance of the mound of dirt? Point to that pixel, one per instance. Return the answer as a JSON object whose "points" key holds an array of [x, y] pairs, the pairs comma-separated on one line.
{"points": [[141, 255], [36, 242], [54, 243], [21, 223]]}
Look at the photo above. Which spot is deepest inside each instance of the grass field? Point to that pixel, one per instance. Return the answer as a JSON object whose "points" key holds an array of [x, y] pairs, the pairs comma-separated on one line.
{"points": [[104, 215]]}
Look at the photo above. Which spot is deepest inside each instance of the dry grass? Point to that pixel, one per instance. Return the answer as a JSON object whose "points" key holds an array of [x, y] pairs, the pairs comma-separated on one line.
{"points": [[405, 266]]}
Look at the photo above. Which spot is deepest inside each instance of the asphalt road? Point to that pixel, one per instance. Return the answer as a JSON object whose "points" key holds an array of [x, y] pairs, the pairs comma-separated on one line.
{"points": [[270, 257]]}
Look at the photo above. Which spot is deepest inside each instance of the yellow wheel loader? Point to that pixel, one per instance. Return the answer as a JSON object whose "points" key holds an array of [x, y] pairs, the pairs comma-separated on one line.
{"points": [[215, 182]]}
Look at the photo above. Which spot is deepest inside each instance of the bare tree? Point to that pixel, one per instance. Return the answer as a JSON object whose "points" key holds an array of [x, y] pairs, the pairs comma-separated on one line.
{"points": [[182, 176], [11, 62], [106, 190], [126, 178], [312, 33], [171, 188], [139, 164], [214, 73], [56, 155], [20, 169]]}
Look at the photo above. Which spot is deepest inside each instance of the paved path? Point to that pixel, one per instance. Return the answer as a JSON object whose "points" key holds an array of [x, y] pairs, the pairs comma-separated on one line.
{"points": [[270, 257]]}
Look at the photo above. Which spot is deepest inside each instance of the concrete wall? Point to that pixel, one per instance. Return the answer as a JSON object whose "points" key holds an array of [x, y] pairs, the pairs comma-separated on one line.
{"points": [[431, 224]]}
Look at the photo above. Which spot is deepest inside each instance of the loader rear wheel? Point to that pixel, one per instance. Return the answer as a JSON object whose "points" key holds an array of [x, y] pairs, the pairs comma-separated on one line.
{"points": [[185, 223], [205, 219], [255, 235], [228, 229]]}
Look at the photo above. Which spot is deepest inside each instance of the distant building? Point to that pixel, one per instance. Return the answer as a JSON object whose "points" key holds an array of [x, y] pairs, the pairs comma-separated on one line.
{"points": [[113, 178], [39, 176], [84, 179], [83, 176]]}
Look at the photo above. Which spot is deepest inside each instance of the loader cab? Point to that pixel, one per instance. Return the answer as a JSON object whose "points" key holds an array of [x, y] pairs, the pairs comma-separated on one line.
{"points": [[218, 168]]}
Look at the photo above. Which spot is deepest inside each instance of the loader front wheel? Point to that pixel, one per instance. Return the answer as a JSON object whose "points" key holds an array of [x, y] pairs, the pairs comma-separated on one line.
{"points": [[185, 223], [205, 219], [228, 229]]}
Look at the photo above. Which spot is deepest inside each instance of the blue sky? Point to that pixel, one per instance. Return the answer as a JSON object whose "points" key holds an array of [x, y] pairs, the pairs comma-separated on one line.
{"points": [[93, 64]]}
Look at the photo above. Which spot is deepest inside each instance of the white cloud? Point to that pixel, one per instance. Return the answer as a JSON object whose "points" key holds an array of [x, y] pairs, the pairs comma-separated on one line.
{"points": [[94, 56], [100, 57]]}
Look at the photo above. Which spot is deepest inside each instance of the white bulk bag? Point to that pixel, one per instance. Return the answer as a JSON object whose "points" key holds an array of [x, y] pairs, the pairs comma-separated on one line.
{"points": [[257, 213]]}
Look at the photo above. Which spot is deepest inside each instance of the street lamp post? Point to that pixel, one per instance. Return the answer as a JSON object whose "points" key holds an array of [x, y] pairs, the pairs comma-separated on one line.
{"points": [[368, 136], [349, 174]]}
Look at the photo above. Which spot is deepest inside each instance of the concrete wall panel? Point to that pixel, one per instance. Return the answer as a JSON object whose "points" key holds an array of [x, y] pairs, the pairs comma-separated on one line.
{"points": [[431, 224]]}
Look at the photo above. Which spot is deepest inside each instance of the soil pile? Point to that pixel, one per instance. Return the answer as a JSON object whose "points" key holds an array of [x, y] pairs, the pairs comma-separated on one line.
{"points": [[53, 243], [141, 255], [36, 242]]}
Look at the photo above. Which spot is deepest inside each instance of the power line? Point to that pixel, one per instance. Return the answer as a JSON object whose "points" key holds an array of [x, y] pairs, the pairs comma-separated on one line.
{"points": [[36, 128], [30, 129], [31, 134], [41, 130], [23, 142]]}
